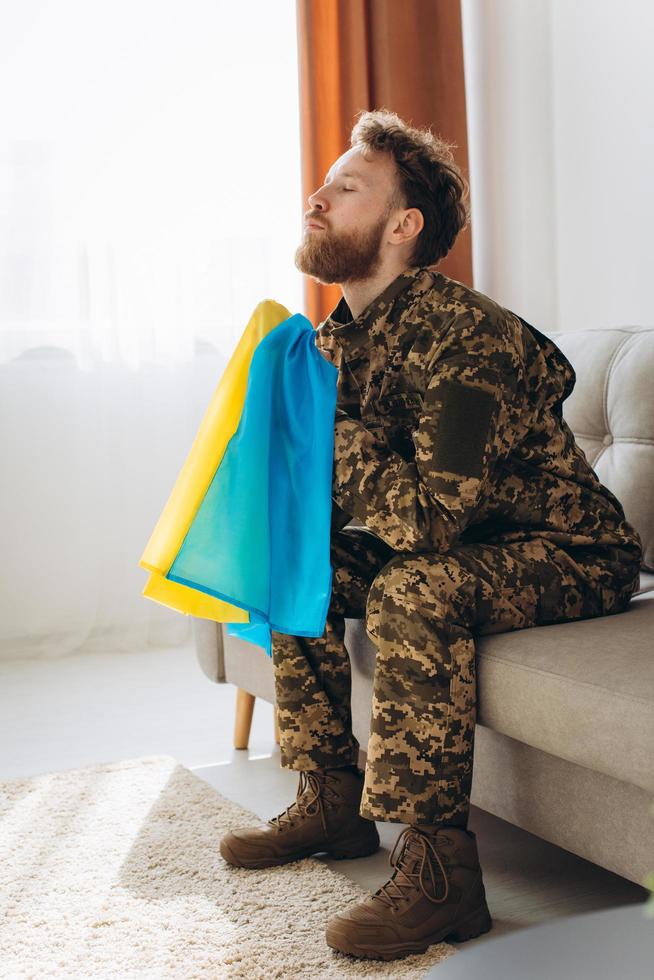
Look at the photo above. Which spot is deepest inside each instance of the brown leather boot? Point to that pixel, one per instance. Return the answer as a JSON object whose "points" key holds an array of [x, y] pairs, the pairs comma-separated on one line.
{"points": [[436, 892], [324, 817]]}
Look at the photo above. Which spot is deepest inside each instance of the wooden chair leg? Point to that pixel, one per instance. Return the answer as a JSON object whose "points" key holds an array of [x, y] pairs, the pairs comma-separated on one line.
{"points": [[276, 723], [244, 710]]}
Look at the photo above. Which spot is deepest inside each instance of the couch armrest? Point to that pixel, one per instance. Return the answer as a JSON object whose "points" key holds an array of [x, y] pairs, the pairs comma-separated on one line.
{"points": [[209, 648]]}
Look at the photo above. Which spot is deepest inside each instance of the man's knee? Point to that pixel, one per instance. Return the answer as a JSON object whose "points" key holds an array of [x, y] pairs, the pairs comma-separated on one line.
{"points": [[435, 587]]}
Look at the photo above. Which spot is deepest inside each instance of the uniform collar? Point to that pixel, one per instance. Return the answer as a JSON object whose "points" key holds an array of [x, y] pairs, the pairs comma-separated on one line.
{"points": [[370, 328]]}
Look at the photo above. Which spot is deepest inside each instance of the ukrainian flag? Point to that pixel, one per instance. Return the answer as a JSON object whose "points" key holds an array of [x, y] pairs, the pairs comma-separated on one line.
{"points": [[244, 538]]}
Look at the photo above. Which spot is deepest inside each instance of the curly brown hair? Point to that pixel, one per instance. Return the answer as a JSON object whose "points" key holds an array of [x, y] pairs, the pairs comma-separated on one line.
{"points": [[428, 179]]}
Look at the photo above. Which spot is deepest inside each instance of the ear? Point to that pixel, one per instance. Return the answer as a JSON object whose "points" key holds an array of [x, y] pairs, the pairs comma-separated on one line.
{"points": [[410, 226], [414, 219]]}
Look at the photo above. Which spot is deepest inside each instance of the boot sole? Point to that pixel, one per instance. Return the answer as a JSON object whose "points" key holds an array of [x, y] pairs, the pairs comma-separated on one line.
{"points": [[338, 853], [475, 924]]}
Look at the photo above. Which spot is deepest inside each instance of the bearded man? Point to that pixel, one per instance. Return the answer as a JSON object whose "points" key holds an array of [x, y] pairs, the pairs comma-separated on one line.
{"points": [[477, 513]]}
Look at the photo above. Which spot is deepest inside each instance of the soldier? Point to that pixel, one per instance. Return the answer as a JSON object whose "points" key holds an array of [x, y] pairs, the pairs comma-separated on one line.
{"points": [[478, 513]]}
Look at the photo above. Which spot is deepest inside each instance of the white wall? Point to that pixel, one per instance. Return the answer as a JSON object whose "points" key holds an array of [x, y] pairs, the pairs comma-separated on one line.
{"points": [[603, 75], [560, 115]]}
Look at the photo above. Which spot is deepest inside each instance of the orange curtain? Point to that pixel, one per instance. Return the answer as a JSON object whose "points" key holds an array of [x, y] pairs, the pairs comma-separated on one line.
{"points": [[402, 55]]}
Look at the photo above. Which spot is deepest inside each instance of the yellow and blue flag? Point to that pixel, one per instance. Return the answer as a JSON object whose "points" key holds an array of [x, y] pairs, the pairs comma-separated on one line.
{"points": [[244, 538]]}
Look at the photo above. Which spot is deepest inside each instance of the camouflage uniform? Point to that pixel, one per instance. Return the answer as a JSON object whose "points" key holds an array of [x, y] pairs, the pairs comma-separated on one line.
{"points": [[478, 513]]}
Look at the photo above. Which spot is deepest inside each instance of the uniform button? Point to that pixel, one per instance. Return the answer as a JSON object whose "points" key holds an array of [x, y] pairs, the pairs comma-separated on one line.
{"points": [[608, 439]]}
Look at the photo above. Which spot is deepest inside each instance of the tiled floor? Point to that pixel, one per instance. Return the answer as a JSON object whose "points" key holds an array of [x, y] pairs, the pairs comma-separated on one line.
{"points": [[89, 708]]}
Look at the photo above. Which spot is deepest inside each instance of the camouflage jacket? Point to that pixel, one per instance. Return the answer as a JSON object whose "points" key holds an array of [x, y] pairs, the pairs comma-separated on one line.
{"points": [[449, 426]]}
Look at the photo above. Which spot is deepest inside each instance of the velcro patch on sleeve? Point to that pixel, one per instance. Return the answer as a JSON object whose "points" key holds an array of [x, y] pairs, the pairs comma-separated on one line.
{"points": [[463, 426]]}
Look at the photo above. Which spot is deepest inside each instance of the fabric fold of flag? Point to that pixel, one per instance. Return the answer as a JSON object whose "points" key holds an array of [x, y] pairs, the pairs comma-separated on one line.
{"points": [[245, 536]]}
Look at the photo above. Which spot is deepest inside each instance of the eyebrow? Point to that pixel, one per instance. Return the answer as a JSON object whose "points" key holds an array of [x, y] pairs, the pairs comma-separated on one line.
{"points": [[353, 176]]}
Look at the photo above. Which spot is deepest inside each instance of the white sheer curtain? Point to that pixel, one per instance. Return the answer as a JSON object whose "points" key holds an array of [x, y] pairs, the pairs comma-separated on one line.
{"points": [[149, 199], [149, 174]]}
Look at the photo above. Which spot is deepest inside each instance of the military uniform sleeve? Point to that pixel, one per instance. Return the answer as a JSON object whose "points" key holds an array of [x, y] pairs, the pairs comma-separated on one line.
{"points": [[468, 423]]}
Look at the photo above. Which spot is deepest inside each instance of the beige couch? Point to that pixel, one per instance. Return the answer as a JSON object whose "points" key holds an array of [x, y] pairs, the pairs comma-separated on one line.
{"points": [[564, 743]]}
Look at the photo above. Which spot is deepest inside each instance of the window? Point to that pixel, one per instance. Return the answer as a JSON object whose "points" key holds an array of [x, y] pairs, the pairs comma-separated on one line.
{"points": [[150, 181]]}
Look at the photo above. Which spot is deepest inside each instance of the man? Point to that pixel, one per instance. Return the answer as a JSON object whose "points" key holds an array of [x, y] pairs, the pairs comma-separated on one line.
{"points": [[477, 513]]}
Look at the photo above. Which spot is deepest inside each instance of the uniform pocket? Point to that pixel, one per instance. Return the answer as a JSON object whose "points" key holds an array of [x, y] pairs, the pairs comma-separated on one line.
{"points": [[400, 403], [397, 416]]}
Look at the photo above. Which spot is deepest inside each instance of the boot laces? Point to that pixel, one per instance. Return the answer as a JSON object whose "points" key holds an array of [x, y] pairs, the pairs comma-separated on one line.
{"points": [[315, 789], [413, 864]]}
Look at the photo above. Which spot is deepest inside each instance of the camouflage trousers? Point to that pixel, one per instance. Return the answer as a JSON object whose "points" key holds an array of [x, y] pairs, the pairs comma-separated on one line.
{"points": [[422, 611]]}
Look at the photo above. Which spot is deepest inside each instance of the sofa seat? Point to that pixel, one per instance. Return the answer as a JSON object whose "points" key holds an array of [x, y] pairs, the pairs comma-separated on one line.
{"points": [[585, 695]]}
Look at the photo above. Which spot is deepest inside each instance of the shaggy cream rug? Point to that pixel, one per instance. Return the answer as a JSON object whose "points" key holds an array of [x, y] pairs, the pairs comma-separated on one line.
{"points": [[114, 872]]}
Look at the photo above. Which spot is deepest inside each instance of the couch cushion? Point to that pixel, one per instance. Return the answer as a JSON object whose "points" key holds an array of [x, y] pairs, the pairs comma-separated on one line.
{"points": [[580, 690], [611, 412], [583, 691]]}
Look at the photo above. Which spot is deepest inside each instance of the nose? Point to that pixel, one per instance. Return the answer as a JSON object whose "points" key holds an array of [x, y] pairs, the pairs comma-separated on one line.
{"points": [[316, 201]]}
